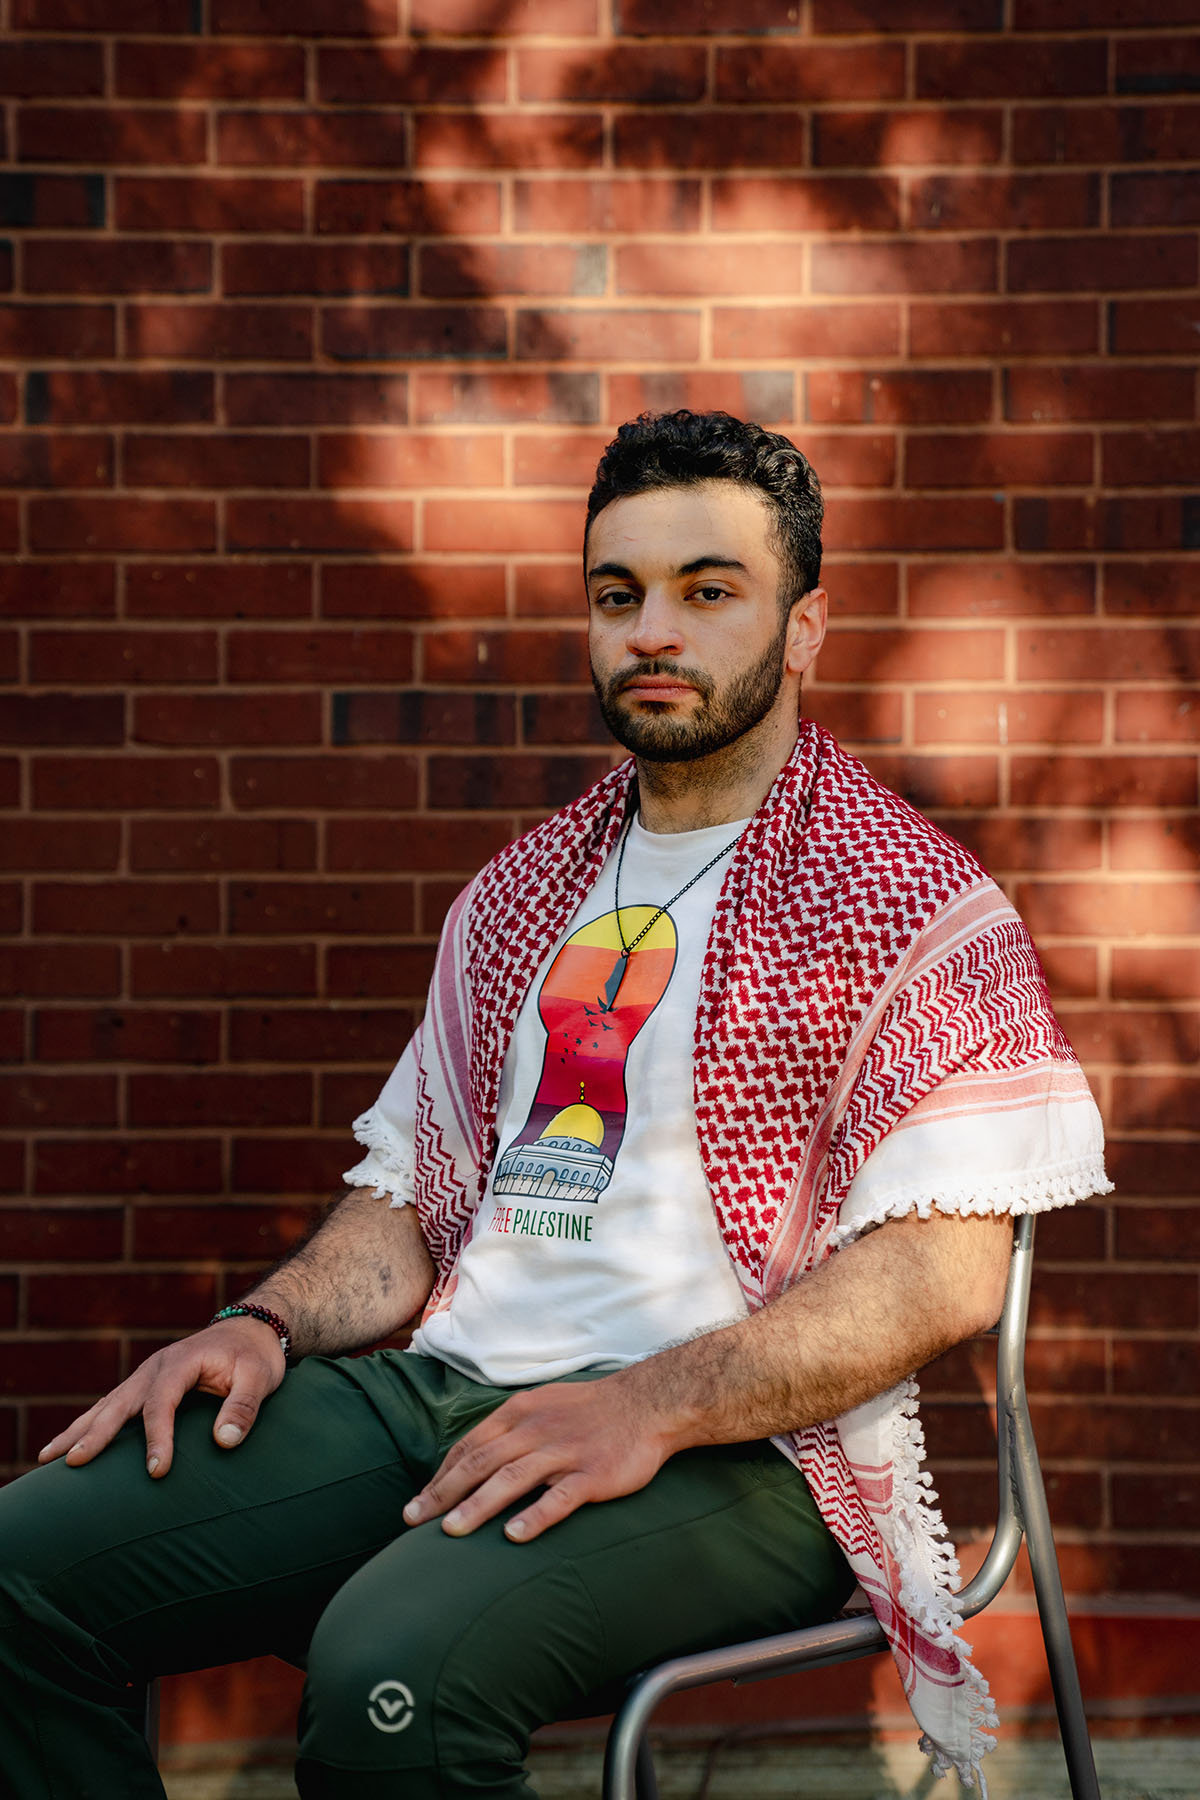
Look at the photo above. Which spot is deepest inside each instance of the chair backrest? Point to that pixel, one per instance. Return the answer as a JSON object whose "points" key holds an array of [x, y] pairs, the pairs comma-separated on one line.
{"points": [[1009, 1332], [1021, 1513]]}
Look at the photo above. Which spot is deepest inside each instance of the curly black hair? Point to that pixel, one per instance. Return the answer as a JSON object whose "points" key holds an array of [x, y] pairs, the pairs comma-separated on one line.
{"points": [[679, 449]]}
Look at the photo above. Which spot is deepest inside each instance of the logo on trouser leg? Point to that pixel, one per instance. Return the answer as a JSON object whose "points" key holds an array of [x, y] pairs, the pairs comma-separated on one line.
{"points": [[390, 1706]]}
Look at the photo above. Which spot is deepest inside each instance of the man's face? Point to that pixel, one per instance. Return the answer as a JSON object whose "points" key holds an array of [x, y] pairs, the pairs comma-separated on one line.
{"points": [[688, 646]]}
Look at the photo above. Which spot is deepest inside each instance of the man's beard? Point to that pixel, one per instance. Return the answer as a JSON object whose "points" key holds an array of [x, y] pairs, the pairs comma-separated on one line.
{"points": [[719, 720]]}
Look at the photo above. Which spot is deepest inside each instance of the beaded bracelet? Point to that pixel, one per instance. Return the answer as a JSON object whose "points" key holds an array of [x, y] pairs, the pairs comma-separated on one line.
{"points": [[247, 1309]]}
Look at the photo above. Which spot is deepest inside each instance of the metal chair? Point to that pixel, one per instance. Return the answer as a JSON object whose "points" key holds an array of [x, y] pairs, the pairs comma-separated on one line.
{"points": [[1022, 1512], [628, 1767]]}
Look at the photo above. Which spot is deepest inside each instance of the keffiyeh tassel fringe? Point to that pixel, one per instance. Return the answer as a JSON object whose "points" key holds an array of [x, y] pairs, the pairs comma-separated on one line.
{"points": [[387, 1167], [1032, 1192], [930, 1577]]}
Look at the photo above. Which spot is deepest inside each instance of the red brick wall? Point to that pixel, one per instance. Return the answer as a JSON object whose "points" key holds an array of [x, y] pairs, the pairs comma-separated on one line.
{"points": [[317, 314]]}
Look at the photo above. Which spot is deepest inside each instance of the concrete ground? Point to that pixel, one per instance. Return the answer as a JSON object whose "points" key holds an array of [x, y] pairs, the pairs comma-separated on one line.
{"points": [[1143, 1768]]}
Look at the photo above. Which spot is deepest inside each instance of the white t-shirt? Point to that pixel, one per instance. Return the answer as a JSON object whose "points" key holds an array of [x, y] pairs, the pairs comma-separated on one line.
{"points": [[596, 1243]]}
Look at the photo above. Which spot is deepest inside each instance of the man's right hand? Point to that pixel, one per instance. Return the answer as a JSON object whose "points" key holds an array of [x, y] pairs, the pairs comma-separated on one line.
{"points": [[240, 1359]]}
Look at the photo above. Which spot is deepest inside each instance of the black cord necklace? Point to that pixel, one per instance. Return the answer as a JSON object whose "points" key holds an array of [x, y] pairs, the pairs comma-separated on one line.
{"points": [[612, 986]]}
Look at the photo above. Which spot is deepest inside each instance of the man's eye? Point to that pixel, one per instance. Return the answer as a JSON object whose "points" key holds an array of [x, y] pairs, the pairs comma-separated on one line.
{"points": [[613, 597], [711, 594]]}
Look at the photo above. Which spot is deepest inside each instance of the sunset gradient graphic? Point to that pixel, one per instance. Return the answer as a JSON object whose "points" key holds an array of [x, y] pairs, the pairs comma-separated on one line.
{"points": [[587, 1044]]}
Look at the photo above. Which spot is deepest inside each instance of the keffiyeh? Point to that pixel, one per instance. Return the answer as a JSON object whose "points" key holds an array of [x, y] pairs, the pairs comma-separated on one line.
{"points": [[865, 983]]}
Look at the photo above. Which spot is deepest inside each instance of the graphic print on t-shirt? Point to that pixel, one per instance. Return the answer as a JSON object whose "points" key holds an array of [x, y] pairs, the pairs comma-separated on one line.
{"points": [[591, 1013]]}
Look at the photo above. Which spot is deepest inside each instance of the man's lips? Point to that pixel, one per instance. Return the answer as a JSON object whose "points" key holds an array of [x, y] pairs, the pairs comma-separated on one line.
{"points": [[656, 687]]}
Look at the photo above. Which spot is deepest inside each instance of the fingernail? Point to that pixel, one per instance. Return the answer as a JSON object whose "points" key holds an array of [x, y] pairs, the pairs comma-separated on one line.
{"points": [[229, 1435], [516, 1528], [453, 1520], [412, 1513], [151, 1465]]}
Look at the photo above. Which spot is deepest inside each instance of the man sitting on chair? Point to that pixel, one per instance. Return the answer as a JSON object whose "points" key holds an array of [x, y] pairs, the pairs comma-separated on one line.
{"points": [[732, 1077]]}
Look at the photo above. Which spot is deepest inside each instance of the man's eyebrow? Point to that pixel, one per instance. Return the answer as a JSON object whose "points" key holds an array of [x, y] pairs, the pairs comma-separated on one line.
{"points": [[689, 568], [611, 568], [712, 562]]}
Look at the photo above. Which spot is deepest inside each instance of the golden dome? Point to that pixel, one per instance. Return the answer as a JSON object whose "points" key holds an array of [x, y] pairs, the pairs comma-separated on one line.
{"points": [[578, 1121]]}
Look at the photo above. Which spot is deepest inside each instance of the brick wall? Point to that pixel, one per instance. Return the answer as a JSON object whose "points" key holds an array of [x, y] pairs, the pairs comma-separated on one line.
{"points": [[316, 316]]}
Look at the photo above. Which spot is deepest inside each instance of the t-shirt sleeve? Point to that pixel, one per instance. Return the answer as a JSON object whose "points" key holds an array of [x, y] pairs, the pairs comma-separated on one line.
{"points": [[984, 1142], [386, 1130]]}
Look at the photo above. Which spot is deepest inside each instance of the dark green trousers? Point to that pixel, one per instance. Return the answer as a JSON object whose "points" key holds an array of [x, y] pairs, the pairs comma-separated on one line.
{"points": [[430, 1659]]}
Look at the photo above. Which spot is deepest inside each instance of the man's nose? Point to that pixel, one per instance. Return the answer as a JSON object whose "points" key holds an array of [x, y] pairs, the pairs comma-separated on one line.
{"points": [[656, 628]]}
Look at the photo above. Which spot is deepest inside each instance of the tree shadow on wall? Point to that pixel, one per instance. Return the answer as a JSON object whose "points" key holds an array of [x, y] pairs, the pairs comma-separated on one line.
{"points": [[327, 337]]}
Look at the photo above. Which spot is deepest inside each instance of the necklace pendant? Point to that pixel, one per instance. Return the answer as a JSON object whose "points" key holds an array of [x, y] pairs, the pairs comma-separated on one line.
{"points": [[613, 984]]}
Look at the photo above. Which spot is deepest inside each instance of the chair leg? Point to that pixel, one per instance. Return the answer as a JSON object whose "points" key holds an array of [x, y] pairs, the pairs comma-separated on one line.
{"points": [[628, 1763], [1052, 1611], [153, 1696], [647, 1782]]}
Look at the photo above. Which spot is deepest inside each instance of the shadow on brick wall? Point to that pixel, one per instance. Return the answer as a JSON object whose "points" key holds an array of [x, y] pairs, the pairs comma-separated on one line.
{"points": [[322, 651]]}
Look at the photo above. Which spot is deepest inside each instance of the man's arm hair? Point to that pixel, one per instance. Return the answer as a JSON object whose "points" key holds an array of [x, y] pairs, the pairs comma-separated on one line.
{"points": [[360, 1275], [363, 1274], [852, 1328]]}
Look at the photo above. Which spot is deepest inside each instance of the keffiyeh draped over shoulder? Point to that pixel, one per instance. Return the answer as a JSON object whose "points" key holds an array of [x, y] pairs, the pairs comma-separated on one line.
{"points": [[866, 988]]}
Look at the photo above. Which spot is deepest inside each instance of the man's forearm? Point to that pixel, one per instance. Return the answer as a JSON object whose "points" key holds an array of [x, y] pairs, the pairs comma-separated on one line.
{"points": [[853, 1328], [867, 1317], [361, 1276]]}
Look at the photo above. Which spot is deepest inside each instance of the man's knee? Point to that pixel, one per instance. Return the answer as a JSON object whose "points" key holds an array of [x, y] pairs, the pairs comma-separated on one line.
{"points": [[49, 1519], [443, 1673], [54, 1517]]}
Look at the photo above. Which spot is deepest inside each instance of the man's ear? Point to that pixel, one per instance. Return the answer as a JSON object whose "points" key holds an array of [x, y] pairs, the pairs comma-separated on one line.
{"points": [[806, 630]]}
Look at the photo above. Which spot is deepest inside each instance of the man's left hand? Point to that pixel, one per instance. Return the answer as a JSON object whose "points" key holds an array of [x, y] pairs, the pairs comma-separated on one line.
{"points": [[855, 1325], [580, 1441]]}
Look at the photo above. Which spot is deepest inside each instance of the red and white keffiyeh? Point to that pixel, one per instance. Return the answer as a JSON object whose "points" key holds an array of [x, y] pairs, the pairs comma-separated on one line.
{"points": [[862, 974]]}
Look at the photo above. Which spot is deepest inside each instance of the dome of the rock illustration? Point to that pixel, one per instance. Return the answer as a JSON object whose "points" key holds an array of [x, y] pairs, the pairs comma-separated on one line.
{"points": [[567, 1162]]}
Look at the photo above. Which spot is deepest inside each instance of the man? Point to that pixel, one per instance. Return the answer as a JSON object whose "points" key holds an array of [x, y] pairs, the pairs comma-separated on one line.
{"points": [[732, 1077]]}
